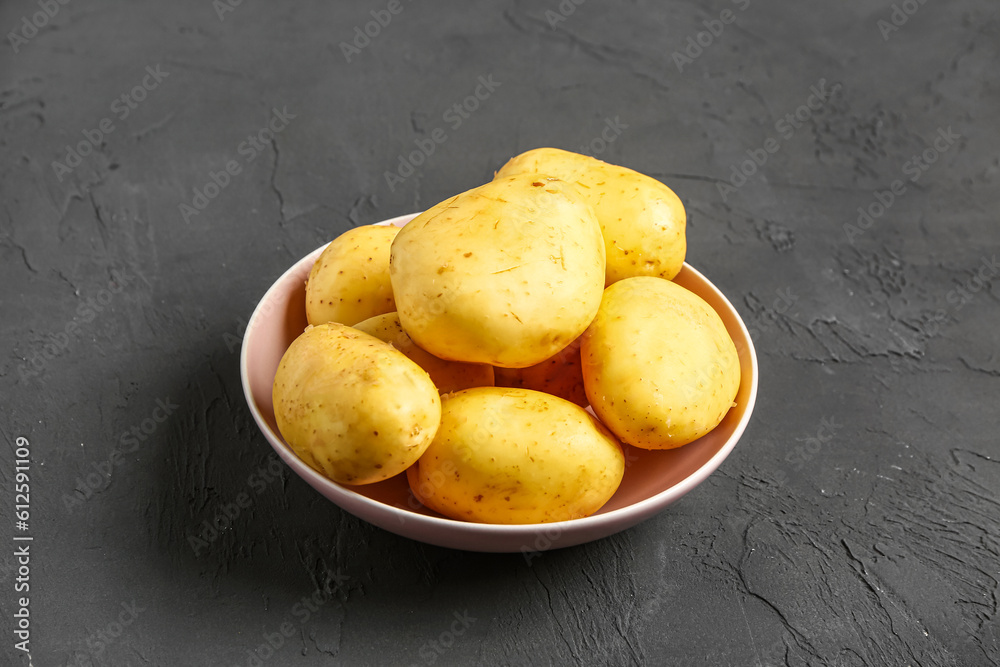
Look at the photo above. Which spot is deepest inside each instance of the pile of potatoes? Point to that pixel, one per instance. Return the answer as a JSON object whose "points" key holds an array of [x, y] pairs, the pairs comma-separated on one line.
{"points": [[463, 348]]}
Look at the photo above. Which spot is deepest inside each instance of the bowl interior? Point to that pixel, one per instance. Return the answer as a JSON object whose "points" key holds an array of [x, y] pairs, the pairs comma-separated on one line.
{"points": [[650, 476]]}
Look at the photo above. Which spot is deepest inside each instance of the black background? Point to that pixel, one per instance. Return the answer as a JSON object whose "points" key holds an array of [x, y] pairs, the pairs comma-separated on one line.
{"points": [[857, 521]]}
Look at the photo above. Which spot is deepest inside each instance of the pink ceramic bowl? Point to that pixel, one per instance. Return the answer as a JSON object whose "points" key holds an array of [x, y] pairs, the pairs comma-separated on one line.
{"points": [[652, 480]]}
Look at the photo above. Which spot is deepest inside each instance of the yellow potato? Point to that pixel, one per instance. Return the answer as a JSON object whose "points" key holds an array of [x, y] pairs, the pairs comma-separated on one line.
{"points": [[350, 280], [353, 407], [516, 456], [507, 274], [559, 375], [642, 220], [659, 367], [448, 376]]}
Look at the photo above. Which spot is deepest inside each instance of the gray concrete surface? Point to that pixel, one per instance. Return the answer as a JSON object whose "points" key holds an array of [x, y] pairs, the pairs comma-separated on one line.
{"points": [[857, 522]]}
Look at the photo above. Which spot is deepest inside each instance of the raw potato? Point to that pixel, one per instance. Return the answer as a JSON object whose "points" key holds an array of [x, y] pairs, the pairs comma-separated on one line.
{"points": [[516, 456], [659, 367], [352, 407], [559, 375], [350, 280], [448, 376], [642, 220], [508, 273]]}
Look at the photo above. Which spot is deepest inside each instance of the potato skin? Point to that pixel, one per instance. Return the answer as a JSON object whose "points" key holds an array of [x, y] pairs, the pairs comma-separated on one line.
{"points": [[643, 221], [659, 367], [448, 376], [516, 456], [560, 375], [353, 407], [507, 274], [350, 280]]}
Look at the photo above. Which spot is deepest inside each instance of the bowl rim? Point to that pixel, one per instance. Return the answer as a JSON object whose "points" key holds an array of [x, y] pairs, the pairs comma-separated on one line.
{"points": [[623, 516]]}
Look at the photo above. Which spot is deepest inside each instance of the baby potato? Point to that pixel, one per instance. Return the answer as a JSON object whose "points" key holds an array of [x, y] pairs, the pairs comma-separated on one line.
{"points": [[643, 221], [448, 376], [559, 375], [659, 367], [353, 407], [350, 280], [516, 456], [507, 274]]}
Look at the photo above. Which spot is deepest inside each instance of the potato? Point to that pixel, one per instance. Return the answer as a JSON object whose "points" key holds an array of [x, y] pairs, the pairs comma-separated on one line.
{"points": [[642, 220], [350, 280], [659, 367], [507, 274], [448, 376], [516, 456], [559, 375], [353, 407]]}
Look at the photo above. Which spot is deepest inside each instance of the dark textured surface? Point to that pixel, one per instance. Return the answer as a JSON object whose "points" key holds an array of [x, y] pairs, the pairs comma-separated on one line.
{"points": [[856, 523]]}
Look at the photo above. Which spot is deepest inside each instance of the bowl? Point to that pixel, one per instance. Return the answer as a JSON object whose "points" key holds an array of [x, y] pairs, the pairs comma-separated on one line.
{"points": [[652, 481]]}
